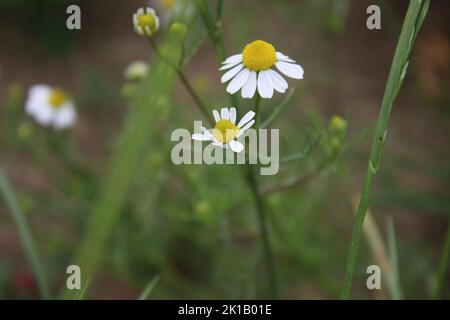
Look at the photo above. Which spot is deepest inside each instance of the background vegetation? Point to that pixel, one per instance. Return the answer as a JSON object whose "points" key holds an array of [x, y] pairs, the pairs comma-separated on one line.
{"points": [[105, 194]]}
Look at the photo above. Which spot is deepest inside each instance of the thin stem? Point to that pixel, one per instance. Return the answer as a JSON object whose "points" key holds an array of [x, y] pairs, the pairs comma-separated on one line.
{"points": [[413, 21], [25, 235], [262, 213], [443, 266], [215, 34], [185, 82]]}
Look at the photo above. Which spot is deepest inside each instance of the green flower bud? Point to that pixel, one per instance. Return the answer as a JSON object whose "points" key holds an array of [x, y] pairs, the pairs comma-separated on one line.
{"points": [[178, 29]]}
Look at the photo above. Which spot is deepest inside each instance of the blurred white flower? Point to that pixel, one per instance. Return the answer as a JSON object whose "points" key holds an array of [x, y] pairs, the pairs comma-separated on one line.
{"points": [[136, 70], [226, 131], [253, 70], [50, 106], [145, 21]]}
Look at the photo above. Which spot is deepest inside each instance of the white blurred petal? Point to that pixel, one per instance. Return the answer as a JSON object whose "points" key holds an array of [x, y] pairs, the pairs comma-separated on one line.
{"points": [[238, 81], [265, 86], [236, 146], [278, 81], [230, 74], [290, 69], [249, 88], [233, 115], [246, 118], [234, 58]]}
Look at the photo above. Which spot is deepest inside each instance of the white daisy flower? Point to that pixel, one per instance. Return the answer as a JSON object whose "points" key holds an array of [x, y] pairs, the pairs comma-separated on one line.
{"points": [[145, 21], [254, 69], [136, 70], [226, 131], [50, 106]]}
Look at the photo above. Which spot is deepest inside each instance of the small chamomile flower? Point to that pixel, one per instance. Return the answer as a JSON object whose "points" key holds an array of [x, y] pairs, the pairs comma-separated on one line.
{"points": [[253, 69], [51, 106], [226, 131], [136, 70], [145, 21]]}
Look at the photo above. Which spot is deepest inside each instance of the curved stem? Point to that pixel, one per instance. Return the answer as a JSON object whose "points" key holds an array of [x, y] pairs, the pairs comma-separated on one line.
{"points": [[184, 81]]}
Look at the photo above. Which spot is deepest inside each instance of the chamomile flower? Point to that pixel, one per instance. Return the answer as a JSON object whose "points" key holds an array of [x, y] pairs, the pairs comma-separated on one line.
{"points": [[253, 69], [226, 131], [51, 106], [136, 70], [145, 22]]}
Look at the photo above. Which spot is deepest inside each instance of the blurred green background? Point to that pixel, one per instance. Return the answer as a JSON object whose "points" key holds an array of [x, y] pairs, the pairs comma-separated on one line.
{"points": [[193, 228]]}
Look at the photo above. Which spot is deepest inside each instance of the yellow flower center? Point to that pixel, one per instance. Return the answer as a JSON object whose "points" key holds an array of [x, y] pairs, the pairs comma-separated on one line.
{"points": [[57, 98], [147, 20], [225, 131], [259, 55]]}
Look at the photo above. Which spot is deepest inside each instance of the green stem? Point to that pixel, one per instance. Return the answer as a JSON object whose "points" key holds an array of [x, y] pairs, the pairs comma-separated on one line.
{"points": [[443, 266], [215, 34], [184, 81], [262, 214], [411, 26], [25, 235]]}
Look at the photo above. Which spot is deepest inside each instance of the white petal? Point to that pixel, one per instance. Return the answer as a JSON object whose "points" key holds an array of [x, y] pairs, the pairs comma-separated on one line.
{"points": [[220, 144], [229, 65], [245, 128], [208, 134], [65, 116], [246, 118], [230, 74], [278, 81], [216, 115], [199, 137], [234, 58], [249, 88], [265, 86], [43, 115], [290, 69], [238, 81], [236, 146], [233, 114], [282, 57], [224, 114]]}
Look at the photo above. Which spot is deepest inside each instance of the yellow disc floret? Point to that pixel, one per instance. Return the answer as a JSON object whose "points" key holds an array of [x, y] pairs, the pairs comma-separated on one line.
{"points": [[259, 55], [57, 98], [225, 131], [147, 21]]}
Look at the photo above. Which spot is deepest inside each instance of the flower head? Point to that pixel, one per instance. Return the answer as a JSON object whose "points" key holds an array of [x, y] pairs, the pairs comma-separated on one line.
{"points": [[145, 21], [226, 131], [253, 69], [136, 70], [51, 106]]}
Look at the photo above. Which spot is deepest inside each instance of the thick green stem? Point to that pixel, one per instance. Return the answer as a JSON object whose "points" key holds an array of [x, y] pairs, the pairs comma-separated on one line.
{"points": [[25, 235], [414, 18]]}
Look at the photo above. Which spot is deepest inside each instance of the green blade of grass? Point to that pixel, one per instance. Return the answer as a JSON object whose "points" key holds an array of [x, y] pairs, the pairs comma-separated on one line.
{"points": [[394, 277], [443, 266], [25, 235], [149, 288], [413, 21]]}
